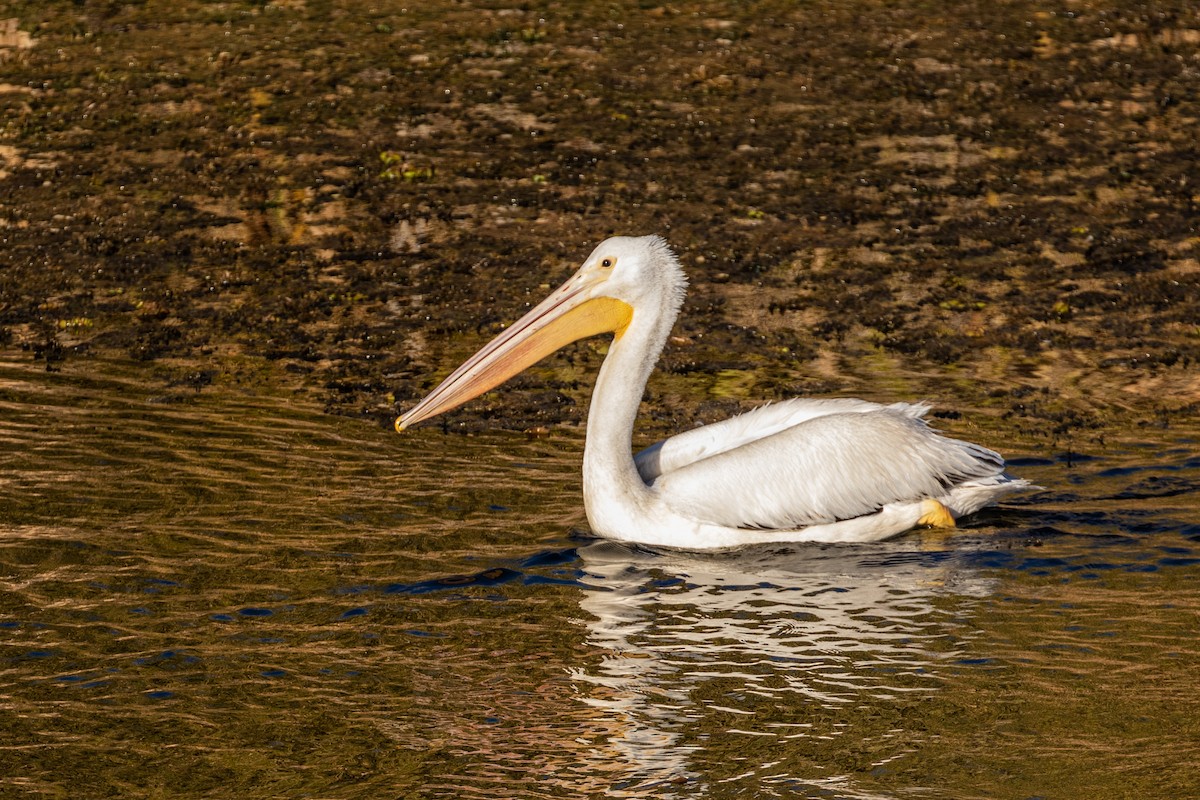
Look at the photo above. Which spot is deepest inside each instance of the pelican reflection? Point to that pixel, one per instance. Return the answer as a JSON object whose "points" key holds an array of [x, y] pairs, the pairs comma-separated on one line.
{"points": [[766, 648]]}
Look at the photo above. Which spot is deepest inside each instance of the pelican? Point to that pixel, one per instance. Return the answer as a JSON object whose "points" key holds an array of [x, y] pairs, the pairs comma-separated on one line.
{"points": [[801, 470]]}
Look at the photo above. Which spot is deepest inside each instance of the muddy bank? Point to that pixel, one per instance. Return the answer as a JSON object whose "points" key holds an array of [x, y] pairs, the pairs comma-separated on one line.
{"points": [[994, 208]]}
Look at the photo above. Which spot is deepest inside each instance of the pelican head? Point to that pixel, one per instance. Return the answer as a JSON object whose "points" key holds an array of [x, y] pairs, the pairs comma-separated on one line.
{"points": [[624, 275]]}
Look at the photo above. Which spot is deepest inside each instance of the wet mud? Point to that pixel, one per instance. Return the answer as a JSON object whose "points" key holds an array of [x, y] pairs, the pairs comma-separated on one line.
{"points": [[992, 206]]}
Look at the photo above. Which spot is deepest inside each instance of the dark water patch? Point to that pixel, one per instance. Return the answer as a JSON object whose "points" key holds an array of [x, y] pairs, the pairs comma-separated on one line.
{"points": [[550, 580], [69, 678], [1159, 487], [1134, 469], [1071, 458], [1175, 561], [1043, 532], [420, 634], [497, 576], [487, 578], [551, 558], [168, 659], [908, 558], [1029, 461]]}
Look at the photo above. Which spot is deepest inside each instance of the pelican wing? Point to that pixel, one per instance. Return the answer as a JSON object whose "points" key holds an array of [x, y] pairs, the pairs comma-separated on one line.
{"points": [[827, 468], [729, 434]]}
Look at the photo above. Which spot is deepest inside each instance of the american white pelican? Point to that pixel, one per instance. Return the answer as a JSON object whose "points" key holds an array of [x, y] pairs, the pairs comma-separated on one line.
{"points": [[836, 470]]}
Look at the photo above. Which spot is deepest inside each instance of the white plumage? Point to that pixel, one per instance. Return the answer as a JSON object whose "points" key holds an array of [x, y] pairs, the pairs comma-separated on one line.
{"points": [[801, 470]]}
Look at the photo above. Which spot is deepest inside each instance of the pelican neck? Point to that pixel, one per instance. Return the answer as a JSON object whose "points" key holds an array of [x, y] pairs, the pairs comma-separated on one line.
{"points": [[608, 458]]}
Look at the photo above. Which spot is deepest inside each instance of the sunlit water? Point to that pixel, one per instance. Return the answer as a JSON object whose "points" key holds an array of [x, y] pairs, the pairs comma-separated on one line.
{"points": [[226, 594]]}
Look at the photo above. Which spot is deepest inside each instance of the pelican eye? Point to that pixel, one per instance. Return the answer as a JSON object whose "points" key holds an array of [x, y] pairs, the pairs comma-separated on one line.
{"points": [[608, 263]]}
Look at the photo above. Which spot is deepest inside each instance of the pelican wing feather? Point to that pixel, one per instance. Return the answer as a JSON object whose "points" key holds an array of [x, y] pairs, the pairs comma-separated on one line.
{"points": [[729, 434], [827, 468]]}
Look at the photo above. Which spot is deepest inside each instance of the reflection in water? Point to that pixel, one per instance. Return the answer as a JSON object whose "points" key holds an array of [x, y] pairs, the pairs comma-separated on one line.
{"points": [[706, 647]]}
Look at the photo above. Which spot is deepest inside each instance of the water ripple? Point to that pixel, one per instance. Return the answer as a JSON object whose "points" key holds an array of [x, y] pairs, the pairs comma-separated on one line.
{"points": [[232, 593]]}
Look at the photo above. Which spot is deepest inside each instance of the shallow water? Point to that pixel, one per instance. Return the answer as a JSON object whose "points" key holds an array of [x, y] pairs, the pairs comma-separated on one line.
{"points": [[225, 593]]}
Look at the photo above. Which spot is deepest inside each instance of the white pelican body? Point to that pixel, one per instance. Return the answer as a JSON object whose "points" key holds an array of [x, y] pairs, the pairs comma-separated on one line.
{"points": [[837, 470]]}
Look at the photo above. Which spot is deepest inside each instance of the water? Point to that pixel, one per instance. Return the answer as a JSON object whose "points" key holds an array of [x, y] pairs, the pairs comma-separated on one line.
{"points": [[228, 593]]}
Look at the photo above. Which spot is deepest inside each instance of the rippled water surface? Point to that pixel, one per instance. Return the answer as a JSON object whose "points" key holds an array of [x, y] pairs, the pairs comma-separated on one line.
{"points": [[222, 594]]}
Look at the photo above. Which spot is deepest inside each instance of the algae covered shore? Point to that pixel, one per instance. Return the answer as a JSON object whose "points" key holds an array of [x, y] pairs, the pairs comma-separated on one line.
{"points": [[990, 206]]}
